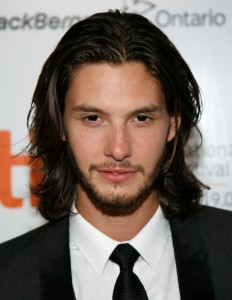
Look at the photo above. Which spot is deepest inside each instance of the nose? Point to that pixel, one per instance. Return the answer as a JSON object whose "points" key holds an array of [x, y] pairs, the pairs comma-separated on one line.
{"points": [[118, 144]]}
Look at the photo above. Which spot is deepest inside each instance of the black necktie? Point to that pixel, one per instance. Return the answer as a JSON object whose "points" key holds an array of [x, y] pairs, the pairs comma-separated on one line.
{"points": [[127, 286]]}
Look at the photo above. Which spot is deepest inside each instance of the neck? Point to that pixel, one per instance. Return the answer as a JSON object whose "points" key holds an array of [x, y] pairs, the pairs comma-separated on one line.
{"points": [[119, 228]]}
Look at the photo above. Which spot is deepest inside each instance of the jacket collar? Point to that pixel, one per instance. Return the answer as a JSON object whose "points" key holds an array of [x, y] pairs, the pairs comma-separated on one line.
{"points": [[55, 272], [191, 261]]}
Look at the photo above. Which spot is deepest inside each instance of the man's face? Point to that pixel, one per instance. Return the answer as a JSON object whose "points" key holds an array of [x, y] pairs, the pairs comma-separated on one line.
{"points": [[117, 128]]}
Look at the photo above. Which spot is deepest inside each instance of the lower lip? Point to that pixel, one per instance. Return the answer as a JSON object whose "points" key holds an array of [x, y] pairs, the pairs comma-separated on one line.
{"points": [[116, 177]]}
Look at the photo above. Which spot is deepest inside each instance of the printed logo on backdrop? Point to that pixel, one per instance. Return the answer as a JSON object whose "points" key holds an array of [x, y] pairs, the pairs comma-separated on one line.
{"points": [[212, 164], [8, 161], [170, 18], [160, 16], [38, 21]]}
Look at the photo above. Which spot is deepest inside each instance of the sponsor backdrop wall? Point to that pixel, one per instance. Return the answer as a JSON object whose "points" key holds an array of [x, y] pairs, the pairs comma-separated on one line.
{"points": [[29, 30]]}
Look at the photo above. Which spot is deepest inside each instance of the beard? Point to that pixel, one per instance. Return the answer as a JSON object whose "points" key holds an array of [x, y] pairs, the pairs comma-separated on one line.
{"points": [[113, 203]]}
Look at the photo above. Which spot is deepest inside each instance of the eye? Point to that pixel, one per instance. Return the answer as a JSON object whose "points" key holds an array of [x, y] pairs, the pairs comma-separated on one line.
{"points": [[142, 118], [92, 118]]}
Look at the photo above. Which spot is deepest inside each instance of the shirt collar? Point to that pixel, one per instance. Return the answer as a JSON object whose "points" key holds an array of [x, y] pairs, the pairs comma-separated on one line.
{"points": [[151, 240], [97, 247]]}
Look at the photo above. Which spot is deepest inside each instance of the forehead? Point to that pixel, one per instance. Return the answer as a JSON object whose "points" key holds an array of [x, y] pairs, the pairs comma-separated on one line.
{"points": [[107, 84]]}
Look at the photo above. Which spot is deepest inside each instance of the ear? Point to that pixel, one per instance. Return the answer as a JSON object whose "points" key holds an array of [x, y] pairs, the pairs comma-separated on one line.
{"points": [[174, 126]]}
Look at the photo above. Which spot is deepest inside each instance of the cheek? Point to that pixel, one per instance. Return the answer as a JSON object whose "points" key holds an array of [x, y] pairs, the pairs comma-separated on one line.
{"points": [[85, 146], [148, 149], [153, 141]]}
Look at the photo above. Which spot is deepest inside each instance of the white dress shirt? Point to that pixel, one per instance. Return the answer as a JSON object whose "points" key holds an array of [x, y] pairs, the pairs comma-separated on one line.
{"points": [[94, 275]]}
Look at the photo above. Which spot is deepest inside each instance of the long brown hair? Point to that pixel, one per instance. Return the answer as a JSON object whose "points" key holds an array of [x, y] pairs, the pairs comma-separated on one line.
{"points": [[113, 37]]}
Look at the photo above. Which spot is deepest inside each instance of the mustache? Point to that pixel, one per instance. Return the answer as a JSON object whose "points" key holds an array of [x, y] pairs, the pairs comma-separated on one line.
{"points": [[113, 165]]}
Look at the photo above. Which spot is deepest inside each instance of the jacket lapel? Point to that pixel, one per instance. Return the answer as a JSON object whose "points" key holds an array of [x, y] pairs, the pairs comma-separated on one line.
{"points": [[55, 272], [191, 260]]}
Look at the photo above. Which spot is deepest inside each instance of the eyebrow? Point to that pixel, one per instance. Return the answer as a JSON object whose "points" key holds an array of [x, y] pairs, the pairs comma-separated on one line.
{"points": [[147, 109], [87, 108], [144, 109]]}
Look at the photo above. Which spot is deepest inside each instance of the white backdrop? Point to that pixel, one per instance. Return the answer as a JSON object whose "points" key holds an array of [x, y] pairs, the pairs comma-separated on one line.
{"points": [[29, 30]]}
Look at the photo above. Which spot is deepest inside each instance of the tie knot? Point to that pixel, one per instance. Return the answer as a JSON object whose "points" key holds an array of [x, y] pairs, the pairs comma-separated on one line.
{"points": [[125, 256]]}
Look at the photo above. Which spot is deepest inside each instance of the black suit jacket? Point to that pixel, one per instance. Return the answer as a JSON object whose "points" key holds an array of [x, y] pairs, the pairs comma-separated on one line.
{"points": [[36, 265]]}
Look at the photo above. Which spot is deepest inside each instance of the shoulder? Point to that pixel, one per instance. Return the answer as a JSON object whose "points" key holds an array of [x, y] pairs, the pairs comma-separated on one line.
{"points": [[19, 264], [215, 225], [207, 236], [21, 258], [24, 250], [23, 240], [31, 240], [214, 217], [214, 211]]}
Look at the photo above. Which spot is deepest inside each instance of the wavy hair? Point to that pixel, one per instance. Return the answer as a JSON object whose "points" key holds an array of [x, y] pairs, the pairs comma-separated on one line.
{"points": [[113, 37]]}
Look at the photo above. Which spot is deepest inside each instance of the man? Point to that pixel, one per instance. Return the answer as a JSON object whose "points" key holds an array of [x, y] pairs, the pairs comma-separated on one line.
{"points": [[112, 111]]}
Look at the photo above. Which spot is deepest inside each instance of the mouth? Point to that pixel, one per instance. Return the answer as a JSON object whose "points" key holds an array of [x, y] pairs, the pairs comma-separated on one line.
{"points": [[116, 175]]}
